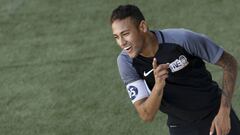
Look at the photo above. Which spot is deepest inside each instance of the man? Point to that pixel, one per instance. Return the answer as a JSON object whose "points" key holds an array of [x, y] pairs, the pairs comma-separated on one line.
{"points": [[165, 70]]}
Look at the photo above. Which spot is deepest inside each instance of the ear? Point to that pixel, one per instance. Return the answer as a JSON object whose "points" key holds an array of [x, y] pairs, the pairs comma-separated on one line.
{"points": [[143, 26]]}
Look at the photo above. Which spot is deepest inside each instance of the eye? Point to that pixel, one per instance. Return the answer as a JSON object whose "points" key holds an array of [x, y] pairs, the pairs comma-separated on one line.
{"points": [[116, 37], [126, 34]]}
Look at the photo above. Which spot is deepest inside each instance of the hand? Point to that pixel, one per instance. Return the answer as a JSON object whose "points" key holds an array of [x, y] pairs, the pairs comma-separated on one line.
{"points": [[221, 123], [160, 73]]}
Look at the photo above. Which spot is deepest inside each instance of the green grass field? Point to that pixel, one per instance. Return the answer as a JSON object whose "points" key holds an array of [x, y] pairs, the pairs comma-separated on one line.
{"points": [[58, 71]]}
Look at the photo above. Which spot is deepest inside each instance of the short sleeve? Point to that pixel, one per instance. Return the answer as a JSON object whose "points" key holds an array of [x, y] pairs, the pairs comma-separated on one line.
{"points": [[200, 45], [136, 87], [126, 70]]}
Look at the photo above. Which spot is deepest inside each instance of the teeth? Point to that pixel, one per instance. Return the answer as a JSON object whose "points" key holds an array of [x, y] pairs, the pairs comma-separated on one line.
{"points": [[126, 48]]}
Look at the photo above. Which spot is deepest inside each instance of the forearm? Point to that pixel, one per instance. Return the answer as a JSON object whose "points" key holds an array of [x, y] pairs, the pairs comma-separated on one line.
{"points": [[147, 108], [151, 104], [229, 80], [221, 123]]}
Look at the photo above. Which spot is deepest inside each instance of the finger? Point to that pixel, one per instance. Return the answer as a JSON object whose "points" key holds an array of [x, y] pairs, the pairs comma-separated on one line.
{"points": [[218, 130], [212, 129], [166, 66], [165, 75], [162, 67], [154, 64], [228, 130], [225, 132], [161, 73]]}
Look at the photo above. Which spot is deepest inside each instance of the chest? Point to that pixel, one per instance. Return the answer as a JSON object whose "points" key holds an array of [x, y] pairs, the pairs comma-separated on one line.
{"points": [[182, 64]]}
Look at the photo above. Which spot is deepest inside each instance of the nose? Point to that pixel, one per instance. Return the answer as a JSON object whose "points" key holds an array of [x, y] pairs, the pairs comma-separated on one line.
{"points": [[122, 42]]}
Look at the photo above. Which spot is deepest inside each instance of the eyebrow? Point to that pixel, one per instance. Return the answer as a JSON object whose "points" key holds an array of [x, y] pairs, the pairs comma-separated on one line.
{"points": [[122, 32]]}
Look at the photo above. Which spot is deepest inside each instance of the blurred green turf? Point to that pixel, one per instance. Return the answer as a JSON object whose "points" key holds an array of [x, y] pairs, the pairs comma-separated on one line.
{"points": [[58, 70]]}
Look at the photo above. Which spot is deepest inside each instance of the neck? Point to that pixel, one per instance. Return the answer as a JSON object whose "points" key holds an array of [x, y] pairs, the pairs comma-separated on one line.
{"points": [[150, 46]]}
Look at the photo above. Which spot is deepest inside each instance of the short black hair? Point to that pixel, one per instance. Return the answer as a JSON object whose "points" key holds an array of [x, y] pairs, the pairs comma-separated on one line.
{"points": [[124, 11]]}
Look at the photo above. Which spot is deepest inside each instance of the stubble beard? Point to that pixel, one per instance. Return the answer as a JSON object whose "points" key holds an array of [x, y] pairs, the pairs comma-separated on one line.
{"points": [[136, 52]]}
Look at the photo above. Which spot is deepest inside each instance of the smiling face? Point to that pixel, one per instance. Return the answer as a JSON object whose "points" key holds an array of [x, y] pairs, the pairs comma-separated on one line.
{"points": [[129, 36]]}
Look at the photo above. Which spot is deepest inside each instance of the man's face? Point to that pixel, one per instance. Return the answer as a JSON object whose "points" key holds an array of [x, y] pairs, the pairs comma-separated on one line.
{"points": [[128, 36]]}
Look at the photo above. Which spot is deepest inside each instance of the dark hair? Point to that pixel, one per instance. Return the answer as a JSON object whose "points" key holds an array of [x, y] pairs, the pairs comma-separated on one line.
{"points": [[124, 11]]}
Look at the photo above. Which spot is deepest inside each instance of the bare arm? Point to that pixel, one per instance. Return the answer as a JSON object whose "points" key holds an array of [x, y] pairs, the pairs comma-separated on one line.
{"points": [[229, 66], [148, 107], [222, 122]]}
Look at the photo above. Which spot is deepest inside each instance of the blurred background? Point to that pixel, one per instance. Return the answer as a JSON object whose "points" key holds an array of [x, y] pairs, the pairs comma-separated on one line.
{"points": [[58, 72]]}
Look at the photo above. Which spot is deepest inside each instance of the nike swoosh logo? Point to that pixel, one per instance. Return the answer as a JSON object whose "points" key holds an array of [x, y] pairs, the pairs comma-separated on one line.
{"points": [[146, 74]]}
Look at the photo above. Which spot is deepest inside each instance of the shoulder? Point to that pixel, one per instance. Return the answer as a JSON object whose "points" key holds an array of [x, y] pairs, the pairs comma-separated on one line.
{"points": [[123, 60], [180, 35], [123, 57], [194, 43], [127, 72]]}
